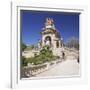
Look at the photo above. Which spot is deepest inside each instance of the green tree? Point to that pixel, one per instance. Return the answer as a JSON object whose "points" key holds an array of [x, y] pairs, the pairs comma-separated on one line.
{"points": [[73, 43], [23, 46]]}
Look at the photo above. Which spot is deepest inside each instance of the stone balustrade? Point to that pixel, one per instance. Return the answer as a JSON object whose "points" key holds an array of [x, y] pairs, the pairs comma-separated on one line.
{"points": [[33, 70]]}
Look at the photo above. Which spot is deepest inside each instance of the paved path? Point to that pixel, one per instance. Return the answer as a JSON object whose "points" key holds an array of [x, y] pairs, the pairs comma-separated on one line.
{"points": [[65, 68]]}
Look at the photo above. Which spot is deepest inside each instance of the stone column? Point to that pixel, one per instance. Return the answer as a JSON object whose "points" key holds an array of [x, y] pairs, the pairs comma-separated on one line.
{"points": [[59, 44], [43, 42]]}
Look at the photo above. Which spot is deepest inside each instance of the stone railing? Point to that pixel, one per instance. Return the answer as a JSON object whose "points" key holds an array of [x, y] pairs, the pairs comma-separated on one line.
{"points": [[72, 50], [30, 71]]}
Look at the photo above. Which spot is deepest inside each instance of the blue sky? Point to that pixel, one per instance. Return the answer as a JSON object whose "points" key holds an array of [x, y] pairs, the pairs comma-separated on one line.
{"points": [[32, 23]]}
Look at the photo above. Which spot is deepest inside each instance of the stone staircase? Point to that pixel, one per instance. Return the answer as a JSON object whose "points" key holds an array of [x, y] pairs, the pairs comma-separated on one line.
{"points": [[69, 54], [57, 52]]}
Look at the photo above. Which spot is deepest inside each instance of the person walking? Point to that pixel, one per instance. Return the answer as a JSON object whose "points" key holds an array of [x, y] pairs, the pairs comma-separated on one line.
{"points": [[63, 55]]}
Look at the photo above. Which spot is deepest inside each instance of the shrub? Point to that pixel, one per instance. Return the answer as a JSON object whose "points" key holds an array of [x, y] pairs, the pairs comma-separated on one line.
{"points": [[24, 61], [46, 55]]}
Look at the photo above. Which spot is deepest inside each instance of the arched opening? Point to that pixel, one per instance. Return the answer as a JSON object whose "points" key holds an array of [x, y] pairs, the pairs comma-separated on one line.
{"points": [[48, 40], [57, 44]]}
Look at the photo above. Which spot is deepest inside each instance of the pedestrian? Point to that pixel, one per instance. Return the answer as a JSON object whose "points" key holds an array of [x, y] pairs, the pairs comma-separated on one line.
{"points": [[78, 59], [63, 55]]}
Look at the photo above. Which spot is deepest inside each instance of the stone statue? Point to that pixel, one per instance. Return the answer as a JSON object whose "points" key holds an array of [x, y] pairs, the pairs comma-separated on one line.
{"points": [[49, 23], [48, 42]]}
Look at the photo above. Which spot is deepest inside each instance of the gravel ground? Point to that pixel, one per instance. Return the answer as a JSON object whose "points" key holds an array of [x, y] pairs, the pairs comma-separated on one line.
{"points": [[65, 68]]}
